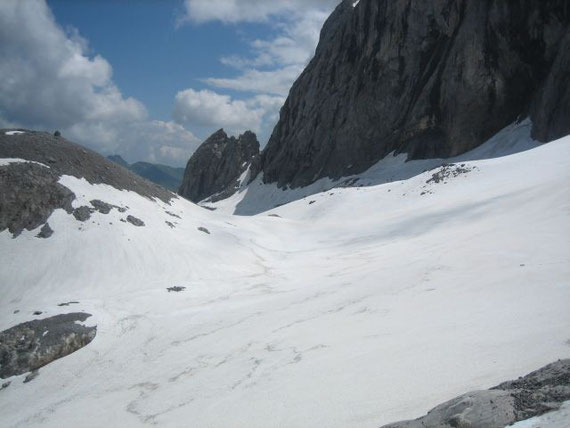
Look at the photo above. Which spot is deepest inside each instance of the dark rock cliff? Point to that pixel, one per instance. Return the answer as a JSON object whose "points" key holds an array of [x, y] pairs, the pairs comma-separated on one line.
{"points": [[214, 169], [433, 79]]}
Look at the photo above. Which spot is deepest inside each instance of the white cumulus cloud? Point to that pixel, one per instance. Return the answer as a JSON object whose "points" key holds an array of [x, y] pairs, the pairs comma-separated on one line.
{"points": [[208, 109], [271, 66], [233, 11], [48, 81]]}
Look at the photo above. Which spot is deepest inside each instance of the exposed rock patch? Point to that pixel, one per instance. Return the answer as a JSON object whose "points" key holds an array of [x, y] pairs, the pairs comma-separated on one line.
{"points": [[449, 171], [541, 391], [34, 374], [68, 303], [135, 221], [203, 229], [106, 208], [29, 193], [537, 393], [176, 289], [171, 214], [83, 213], [45, 232], [31, 345], [67, 158], [102, 207], [214, 169]]}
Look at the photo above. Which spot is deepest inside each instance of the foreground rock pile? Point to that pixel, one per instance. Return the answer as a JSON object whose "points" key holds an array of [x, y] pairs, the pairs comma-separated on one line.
{"points": [[539, 392]]}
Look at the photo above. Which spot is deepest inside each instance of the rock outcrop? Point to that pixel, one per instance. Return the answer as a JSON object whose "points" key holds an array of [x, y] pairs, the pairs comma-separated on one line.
{"points": [[433, 79], [29, 193], [31, 345], [215, 168], [64, 157], [29, 180], [537, 393]]}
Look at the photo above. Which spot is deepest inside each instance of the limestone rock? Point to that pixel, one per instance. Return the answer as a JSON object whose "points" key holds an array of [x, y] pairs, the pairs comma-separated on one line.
{"points": [[29, 193], [430, 78], [217, 165], [532, 395]]}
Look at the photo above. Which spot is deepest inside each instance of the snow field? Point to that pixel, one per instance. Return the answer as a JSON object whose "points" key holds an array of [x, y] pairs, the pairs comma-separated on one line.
{"points": [[367, 306]]}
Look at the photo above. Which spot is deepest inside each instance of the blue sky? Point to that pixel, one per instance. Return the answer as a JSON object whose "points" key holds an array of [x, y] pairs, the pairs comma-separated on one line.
{"points": [[153, 58], [151, 79]]}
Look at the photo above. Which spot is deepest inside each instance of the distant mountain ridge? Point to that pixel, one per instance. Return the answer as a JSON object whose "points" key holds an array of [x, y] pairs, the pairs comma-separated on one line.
{"points": [[163, 175], [214, 170]]}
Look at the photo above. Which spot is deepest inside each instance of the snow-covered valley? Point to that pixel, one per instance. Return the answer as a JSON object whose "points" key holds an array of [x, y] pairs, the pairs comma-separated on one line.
{"points": [[354, 307]]}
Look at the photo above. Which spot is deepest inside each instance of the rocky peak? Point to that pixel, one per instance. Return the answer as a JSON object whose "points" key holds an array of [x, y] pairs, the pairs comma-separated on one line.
{"points": [[432, 79], [217, 165]]}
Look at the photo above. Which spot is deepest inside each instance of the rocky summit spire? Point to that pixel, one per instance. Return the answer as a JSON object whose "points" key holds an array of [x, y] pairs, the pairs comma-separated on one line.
{"points": [[217, 165]]}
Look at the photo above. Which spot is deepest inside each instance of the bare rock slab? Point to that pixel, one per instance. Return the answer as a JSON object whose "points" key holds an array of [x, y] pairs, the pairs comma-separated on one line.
{"points": [[532, 395], [28, 346]]}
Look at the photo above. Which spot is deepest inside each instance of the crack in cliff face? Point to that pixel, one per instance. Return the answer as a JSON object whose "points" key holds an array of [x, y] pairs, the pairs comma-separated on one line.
{"points": [[432, 79]]}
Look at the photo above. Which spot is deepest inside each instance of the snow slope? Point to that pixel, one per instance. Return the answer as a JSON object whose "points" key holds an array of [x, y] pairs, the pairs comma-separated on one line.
{"points": [[260, 197], [367, 306]]}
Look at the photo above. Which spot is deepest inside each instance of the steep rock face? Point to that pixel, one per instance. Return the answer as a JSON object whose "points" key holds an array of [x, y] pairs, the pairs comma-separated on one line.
{"points": [[433, 79], [29, 193], [214, 169]]}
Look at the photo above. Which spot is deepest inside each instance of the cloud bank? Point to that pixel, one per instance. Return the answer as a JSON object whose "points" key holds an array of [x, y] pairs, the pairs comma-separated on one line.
{"points": [[272, 64], [48, 81], [232, 11]]}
